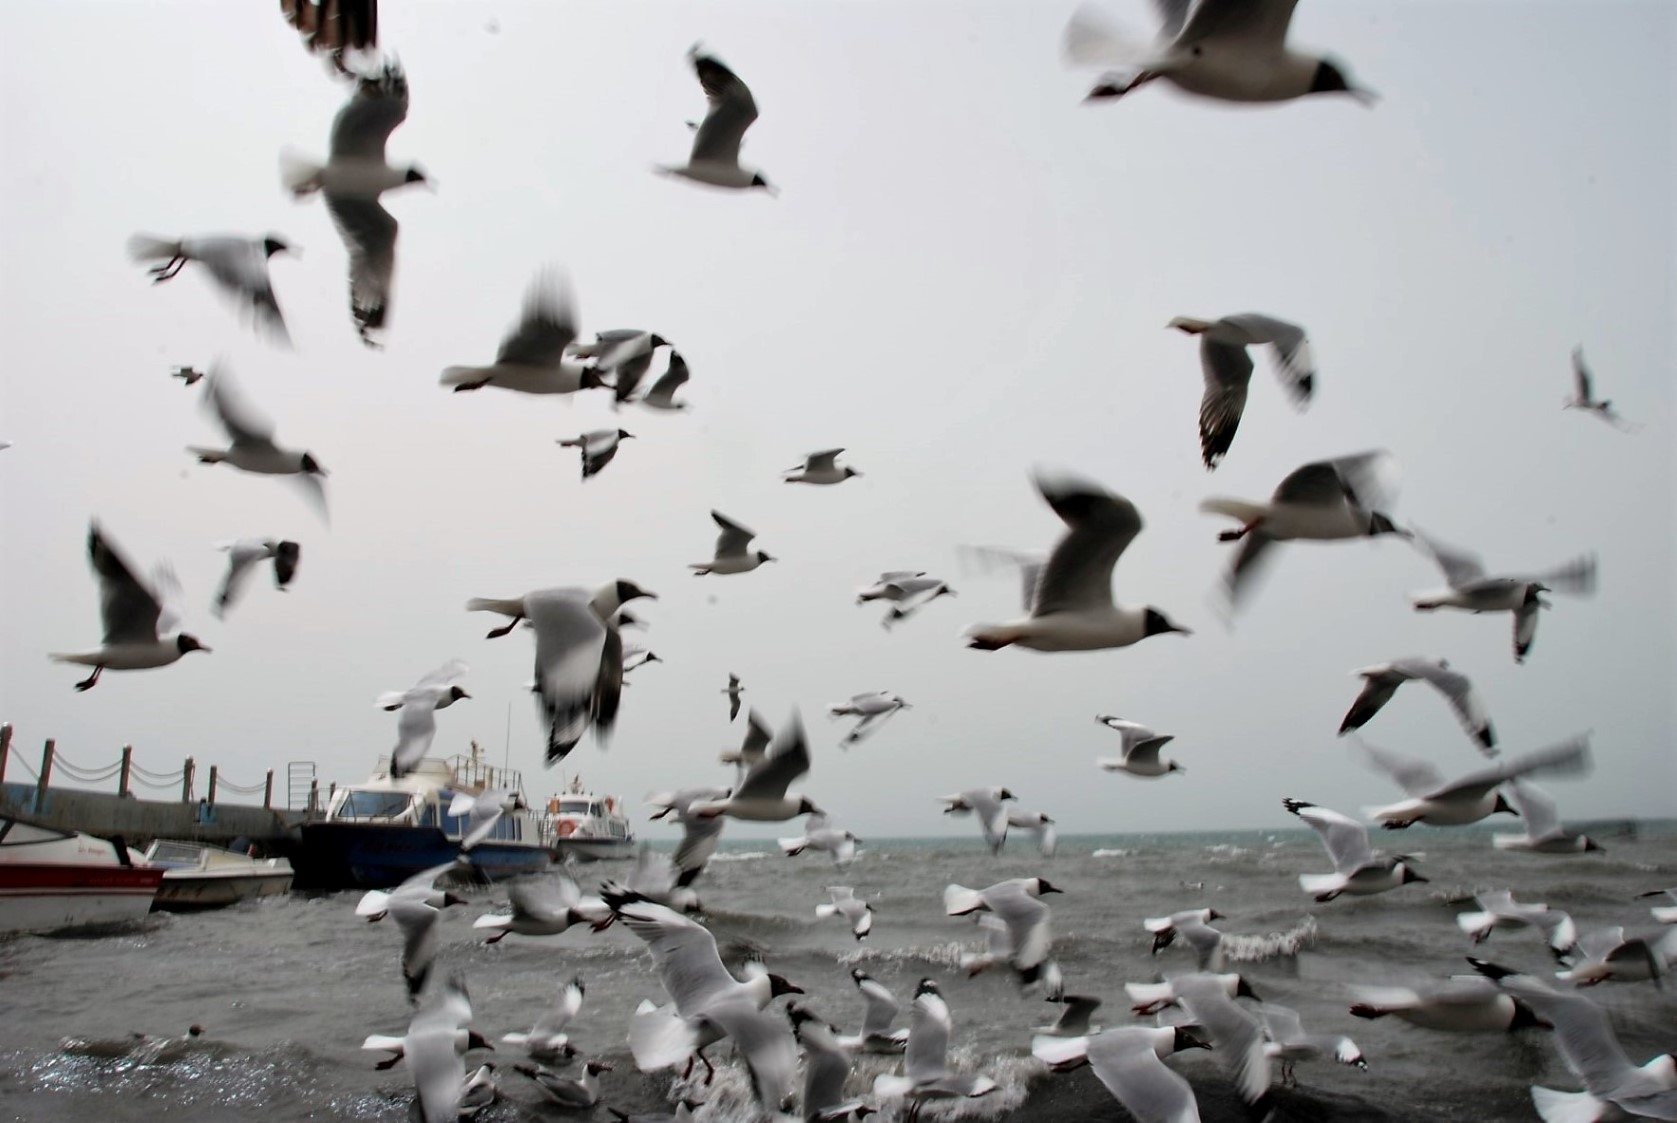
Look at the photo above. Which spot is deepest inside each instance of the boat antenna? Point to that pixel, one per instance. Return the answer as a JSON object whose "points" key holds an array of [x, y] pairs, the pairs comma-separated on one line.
{"points": [[506, 741]]}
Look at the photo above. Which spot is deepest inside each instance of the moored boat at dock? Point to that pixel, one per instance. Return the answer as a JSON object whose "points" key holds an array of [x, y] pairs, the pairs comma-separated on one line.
{"points": [[587, 826], [199, 876], [56, 881], [379, 832]]}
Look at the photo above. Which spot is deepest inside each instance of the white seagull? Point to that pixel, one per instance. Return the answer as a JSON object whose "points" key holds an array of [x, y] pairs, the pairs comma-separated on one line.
{"points": [[1472, 797], [762, 796], [573, 1093], [415, 708], [1141, 747], [731, 553], [758, 735], [820, 834], [926, 1071], [1073, 609], [1324, 501], [1472, 591], [1499, 909], [1544, 833], [579, 656], [532, 359], [251, 437], [598, 447], [853, 910], [662, 394], [1666, 913], [1226, 50], [715, 159], [547, 1040], [1614, 1086], [438, 1038], [1017, 902], [137, 616], [820, 468], [1583, 397], [733, 690], [826, 1066], [1228, 371], [1382, 680], [1358, 870], [544, 906], [355, 174], [908, 591], [986, 804], [1129, 1061], [238, 265], [243, 555], [880, 1009], [872, 709], [1462, 1004], [422, 887], [1039, 824], [1288, 1043]]}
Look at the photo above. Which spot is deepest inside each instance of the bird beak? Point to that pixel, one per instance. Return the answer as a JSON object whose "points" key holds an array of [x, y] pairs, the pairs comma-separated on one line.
{"points": [[463, 694], [1365, 97], [1180, 630]]}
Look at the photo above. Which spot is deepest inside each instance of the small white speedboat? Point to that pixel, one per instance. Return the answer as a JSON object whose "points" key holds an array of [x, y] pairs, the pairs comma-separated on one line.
{"points": [[200, 876], [57, 881]]}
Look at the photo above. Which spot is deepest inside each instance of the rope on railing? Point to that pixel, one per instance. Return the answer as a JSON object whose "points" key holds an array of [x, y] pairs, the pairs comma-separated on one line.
{"points": [[242, 789], [24, 764], [86, 775], [159, 777], [166, 784]]}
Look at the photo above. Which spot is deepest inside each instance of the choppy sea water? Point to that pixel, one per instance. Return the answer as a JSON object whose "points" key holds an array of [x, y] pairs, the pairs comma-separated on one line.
{"points": [[287, 988]]}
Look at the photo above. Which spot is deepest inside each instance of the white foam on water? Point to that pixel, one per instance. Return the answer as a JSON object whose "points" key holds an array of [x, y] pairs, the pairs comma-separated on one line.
{"points": [[1256, 948]]}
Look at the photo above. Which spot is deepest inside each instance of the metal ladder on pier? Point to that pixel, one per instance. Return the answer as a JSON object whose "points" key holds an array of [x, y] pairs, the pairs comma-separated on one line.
{"points": [[299, 785]]}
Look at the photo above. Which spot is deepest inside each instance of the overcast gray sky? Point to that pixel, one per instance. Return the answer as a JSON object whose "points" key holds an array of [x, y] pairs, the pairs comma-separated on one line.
{"points": [[968, 272]]}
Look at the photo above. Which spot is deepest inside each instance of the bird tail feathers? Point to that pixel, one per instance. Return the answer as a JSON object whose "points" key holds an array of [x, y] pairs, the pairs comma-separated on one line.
{"points": [[148, 247], [1566, 1107], [1321, 882], [1060, 1052], [793, 846], [299, 174], [959, 900], [1240, 509], [659, 1039]]}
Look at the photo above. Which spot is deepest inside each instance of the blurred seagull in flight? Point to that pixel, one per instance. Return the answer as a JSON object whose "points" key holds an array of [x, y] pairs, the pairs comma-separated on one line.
{"points": [[137, 616], [355, 174], [1583, 396], [820, 468], [1227, 366], [238, 265], [1382, 680], [716, 144], [731, 553], [1228, 50], [1072, 608], [532, 356], [1471, 590], [243, 555], [252, 447]]}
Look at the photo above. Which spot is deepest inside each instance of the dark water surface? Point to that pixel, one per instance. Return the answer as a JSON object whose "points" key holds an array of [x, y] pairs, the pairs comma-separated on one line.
{"points": [[287, 988]]}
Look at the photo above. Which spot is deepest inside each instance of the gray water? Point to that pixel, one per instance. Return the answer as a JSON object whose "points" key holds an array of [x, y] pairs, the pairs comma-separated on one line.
{"points": [[287, 988]]}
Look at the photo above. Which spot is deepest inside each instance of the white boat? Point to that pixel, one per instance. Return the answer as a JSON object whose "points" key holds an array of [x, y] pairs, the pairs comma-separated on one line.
{"points": [[55, 881], [587, 826], [200, 876]]}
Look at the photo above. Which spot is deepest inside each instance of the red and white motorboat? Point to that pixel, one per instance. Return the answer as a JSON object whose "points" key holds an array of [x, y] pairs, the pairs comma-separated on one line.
{"points": [[53, 881]]}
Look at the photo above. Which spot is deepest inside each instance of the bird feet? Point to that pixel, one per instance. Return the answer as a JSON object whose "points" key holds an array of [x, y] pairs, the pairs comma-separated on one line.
{"points": [[465, 386], [497, 633], [1241, 532], [88, 682], [161, 273]]}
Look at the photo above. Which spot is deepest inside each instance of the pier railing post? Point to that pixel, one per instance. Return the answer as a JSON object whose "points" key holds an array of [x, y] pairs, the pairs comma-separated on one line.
{"points": [[215, 770], [186, 781], [268, 792], [314, 796], [5, 748], [127, 770], [47, 752]]}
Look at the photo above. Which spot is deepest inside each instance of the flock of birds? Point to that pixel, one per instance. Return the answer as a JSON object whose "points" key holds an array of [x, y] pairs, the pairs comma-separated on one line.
{"points": [[1230, 50]]}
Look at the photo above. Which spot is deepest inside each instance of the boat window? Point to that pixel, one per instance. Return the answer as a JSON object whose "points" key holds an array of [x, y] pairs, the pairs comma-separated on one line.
{"points": [[373, 805], [574, 807]]}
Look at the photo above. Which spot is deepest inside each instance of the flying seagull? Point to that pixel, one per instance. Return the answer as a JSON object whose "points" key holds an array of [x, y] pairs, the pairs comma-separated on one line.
{"points": [[251, 445], [598, 447], [415, 709], [1072, 608], [334, 28], [355, 174], [138, 616], [238, 265], [1472, 591], [1583, 396], [820, 468], [242, 557], [1227, 50], [1325, 500], [716, 145], [532, 358], [1228, 371], [1381, 681], [731, 553]]}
